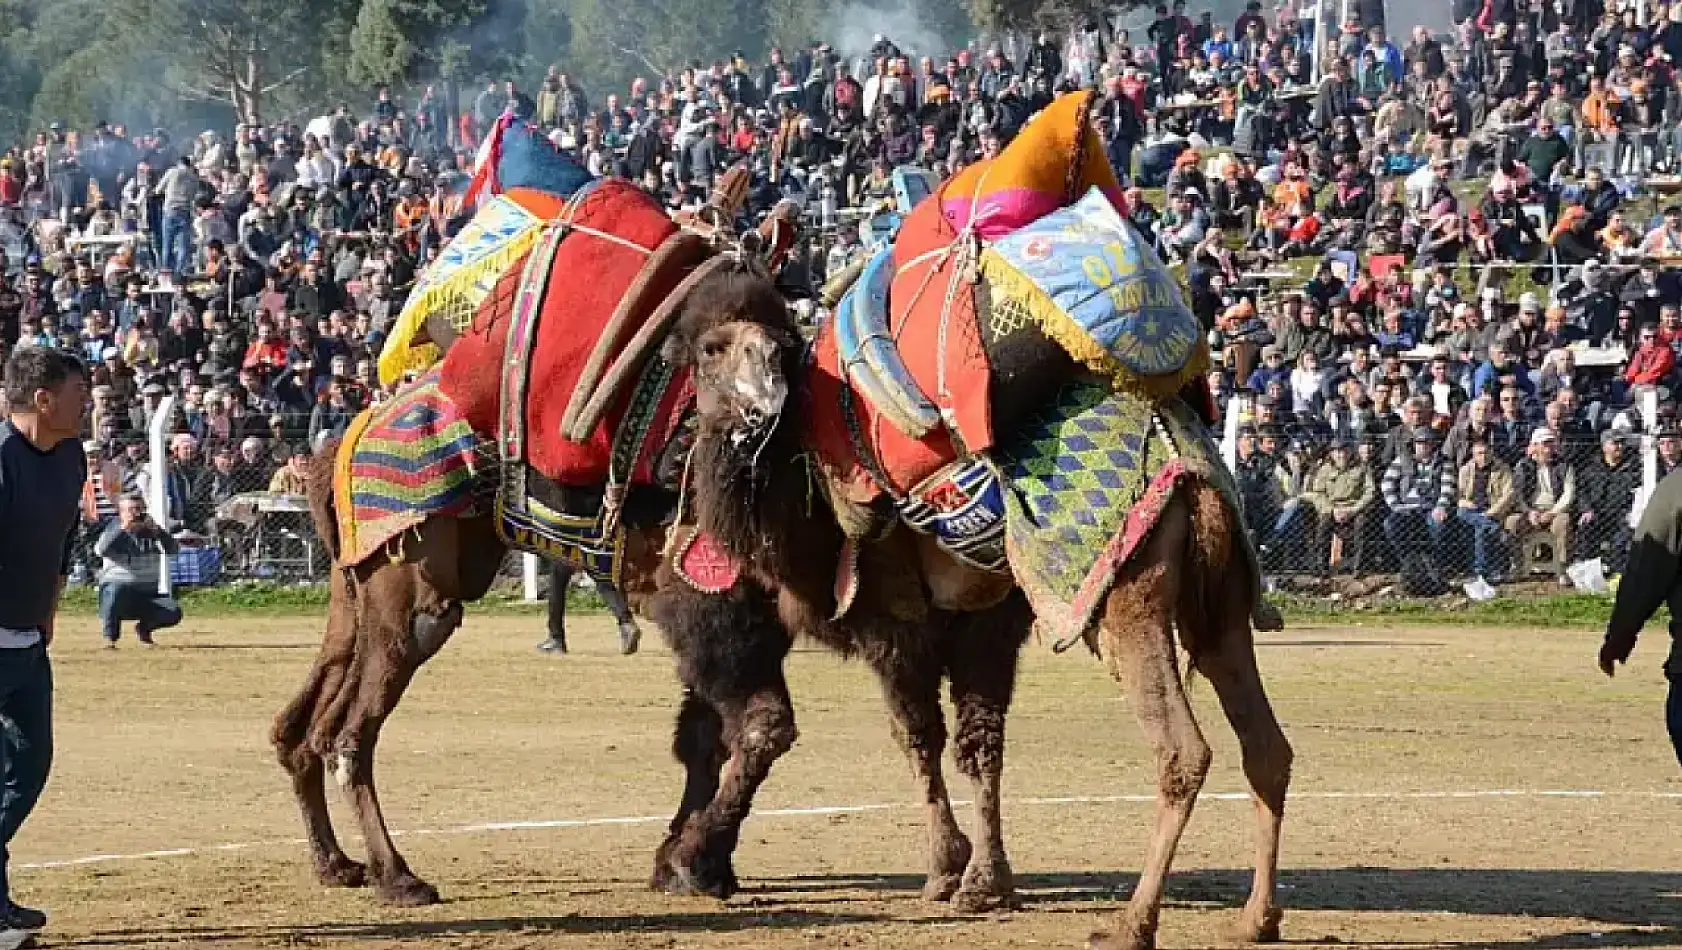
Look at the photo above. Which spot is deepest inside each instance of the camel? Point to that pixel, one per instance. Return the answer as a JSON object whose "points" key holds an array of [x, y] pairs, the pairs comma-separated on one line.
{"points": [[390, 613], [757, 493]]}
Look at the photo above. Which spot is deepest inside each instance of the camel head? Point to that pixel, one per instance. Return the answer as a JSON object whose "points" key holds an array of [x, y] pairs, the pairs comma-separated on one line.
{"points": [[737, 334]]}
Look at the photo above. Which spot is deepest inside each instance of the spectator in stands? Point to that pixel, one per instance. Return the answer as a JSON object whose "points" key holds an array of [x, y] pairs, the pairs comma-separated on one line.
{"points": [[1418, 488], [1339, 497], [1607, 490], [134, 547], [1546, 491], [1485, 492]]}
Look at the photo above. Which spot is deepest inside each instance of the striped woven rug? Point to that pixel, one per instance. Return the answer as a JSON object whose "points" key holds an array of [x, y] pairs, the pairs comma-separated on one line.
{"points": [[403, 461]]}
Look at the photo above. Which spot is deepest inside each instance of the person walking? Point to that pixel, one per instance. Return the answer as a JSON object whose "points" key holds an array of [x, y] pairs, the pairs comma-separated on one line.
{"points": [[1653, 576], [42, 470], [133, 546]]}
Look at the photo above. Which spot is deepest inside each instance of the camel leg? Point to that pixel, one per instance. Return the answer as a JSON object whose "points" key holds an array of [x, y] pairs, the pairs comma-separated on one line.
{"points": [[393, 648], [730, 654], [699, 744], [1231, 669], [302, 763], [1138, 644], [912, 690], [983, 656]]}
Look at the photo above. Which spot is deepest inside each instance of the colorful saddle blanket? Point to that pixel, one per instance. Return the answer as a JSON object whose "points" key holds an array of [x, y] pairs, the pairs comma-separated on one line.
{"points": [[1056, 158], [1086, 279], [1085, 484], [554, 309], [403, 461], [901, 381]]}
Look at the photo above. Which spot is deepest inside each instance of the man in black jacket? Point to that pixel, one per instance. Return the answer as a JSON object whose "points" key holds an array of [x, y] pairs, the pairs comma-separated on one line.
{"points": [[1607, 493], [1653, 577]]}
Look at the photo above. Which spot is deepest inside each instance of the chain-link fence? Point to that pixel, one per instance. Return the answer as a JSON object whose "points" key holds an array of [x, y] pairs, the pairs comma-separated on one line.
{"points": [[1425, 509], [234, 499], [1433, 512]]}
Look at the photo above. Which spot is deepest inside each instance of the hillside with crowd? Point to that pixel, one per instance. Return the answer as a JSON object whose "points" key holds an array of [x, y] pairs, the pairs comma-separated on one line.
{"points": [[1436, 270]]}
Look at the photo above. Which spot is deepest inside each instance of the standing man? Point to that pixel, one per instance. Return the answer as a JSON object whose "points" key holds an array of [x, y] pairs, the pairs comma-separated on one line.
{"points": [[560, 579], [42, 469]]}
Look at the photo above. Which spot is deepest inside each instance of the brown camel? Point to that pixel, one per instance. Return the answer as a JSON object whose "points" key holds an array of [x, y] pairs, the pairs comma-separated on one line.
{"points": [[757, 493], [388, 616]]}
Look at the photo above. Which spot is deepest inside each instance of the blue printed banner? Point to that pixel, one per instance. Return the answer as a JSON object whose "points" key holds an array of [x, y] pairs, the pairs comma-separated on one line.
{"points": [[1116, 305]]}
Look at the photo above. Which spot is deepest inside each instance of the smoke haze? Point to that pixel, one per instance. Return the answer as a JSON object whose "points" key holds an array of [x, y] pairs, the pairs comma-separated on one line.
{"points": [[853, 28]]}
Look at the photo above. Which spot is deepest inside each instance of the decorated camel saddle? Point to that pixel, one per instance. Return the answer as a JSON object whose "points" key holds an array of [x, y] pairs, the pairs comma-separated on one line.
{"points": [[541, 399], [1007, 374]]}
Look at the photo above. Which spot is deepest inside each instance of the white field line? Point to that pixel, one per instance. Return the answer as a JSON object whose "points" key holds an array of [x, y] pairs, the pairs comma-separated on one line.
{"points": [[821, 810]]}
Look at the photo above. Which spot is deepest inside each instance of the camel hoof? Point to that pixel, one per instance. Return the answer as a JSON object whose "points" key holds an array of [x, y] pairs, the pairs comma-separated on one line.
{"points": [[986, 887], [407, 891], [341, 871], [700, 875], [1109, 941], [1265, 930], [939, 888]]}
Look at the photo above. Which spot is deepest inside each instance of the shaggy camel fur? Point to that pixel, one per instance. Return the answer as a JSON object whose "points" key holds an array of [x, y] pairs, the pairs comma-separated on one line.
{"points": [[737, 717], [755, 492]]}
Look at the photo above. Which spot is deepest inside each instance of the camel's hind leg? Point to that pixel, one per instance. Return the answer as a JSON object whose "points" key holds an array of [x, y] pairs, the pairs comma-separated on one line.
{"points": [[982, 649], [911, 687], [395, 643], [302, 762], [1136, 637], [1225, 653]]}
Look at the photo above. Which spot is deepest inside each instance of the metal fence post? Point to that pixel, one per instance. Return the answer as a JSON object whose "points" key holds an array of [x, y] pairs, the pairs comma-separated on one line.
{"points": [[528, 568], [157, 465], [1649, 453]]}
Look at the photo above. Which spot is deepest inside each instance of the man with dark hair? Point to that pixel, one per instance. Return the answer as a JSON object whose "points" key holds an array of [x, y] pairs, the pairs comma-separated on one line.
{"points": [[42, 468]]}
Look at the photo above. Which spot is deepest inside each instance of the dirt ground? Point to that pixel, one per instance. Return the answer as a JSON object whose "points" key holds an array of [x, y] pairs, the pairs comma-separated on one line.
{"points": [[167, 822]]}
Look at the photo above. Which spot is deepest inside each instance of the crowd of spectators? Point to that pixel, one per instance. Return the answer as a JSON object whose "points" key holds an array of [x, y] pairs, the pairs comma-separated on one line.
{"points": [[1476, 209]]}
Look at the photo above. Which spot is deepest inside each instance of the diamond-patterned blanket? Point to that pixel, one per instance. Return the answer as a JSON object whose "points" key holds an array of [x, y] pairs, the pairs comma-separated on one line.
{"points": [[1089, 477]]}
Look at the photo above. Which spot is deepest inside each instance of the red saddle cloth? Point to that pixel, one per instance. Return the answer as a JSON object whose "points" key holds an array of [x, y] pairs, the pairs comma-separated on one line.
{"points": [[916, 303], [587, 278]]}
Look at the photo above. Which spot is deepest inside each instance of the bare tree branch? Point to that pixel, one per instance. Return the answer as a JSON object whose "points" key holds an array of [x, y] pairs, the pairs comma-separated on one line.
{"points": [[288, 79]]}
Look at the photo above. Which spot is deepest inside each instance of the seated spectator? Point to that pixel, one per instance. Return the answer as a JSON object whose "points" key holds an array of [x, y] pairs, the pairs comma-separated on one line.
{"points": [[1652, 363], [1418, 489], [133, 547], [1485, 490], [1545, 488], [1607, 491], [1339, 496]]}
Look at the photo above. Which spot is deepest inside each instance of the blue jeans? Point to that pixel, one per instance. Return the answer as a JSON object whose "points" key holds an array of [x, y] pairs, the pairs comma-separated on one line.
{"points": [[1485, 530], [177, 241], [1288, 526], [26, 742], [1413, 528], [138, 602]]}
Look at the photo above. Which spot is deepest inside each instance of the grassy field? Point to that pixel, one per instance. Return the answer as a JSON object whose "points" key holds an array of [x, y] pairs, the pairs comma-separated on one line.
{"points": [[1435, 800]]}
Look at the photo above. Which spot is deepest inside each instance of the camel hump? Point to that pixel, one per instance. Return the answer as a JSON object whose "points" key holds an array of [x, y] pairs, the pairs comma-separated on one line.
{"points": [[319, 488]]}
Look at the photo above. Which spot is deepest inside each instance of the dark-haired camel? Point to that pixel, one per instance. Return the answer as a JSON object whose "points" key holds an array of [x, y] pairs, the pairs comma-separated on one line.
{"points": [[754, 492], [389, 616]]}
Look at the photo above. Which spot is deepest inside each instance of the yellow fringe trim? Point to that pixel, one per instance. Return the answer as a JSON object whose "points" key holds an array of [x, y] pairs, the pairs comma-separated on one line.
{"points": [[349, 550], [1079, 343], [460, 292]]}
